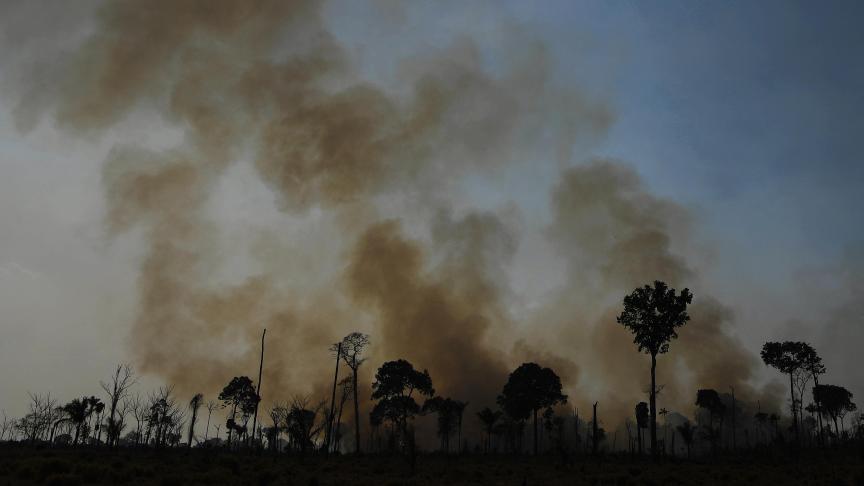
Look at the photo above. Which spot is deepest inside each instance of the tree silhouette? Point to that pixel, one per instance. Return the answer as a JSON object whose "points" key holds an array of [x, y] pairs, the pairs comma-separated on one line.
{"points": [[788, 357], [687, 432], [238, 393], [353, 346], [709, 400], [641, 422], [836, 401], [652, 314], [302, 423], [211, 405], [78, 411], [194, 405], [447, 411], [530, 388], [394, 387], [488, 418], [122, 379], [812, 364]]}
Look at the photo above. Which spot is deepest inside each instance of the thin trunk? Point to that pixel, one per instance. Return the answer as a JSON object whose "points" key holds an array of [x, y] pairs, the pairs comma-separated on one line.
{"points": [[231, 429], [356, 412], [207, 430], [258, 391], [329, 434], [794, 413], [535, 431], [733, 419], [653, 406], [594, 431], [818, 410]]}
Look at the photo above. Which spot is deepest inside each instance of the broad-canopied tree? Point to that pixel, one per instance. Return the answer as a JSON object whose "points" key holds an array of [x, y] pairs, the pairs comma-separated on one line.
{"points": [[238, 394], [652, 314], [395, 385], [528, 389]]}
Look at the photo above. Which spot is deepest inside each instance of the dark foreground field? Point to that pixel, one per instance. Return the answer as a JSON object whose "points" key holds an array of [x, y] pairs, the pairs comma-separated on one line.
{"points": [[70, 467]]}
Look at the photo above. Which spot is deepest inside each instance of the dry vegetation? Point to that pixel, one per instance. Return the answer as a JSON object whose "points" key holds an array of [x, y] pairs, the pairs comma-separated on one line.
{"points": [[22, 465]]}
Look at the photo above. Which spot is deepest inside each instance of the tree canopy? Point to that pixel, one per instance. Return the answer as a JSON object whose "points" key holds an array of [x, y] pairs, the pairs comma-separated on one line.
{"points": [[653, 314]]}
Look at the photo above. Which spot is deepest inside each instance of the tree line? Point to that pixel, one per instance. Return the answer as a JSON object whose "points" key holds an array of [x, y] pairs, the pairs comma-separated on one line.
{"points": [[529, 414]]}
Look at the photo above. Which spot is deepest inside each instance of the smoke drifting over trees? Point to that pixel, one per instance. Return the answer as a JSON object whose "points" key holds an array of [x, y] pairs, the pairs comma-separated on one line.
{"points": [[367, 169]]}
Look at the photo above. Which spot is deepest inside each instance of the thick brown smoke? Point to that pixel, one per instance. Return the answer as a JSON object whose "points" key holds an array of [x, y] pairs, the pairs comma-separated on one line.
{"points": [[264, 83], [616, 236]]}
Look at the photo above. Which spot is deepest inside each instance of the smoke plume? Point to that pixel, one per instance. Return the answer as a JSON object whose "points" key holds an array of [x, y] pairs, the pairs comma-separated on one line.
{"points": [[372, 170]]}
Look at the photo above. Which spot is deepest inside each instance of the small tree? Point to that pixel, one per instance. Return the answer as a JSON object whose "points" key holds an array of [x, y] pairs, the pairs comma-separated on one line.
{"points": [[641, 422], [194, 405], [238, 393], [653, 314], [394, 387], [836, 402], [528, 389], [709, 400], [687, 432], [488, 418], [447, 411]]}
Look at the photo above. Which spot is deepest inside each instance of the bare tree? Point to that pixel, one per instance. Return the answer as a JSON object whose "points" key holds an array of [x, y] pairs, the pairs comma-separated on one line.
{"points": [[353, 346], [258, 390], [116, 389], [211, 405], [139, 413]]}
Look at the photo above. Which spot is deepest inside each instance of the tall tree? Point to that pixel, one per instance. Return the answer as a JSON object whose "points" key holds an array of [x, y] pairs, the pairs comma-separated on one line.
{"points": [[353, 346], [653, 314], [394, 387], [812, 364], [328, 432], [194, 405], [211, 405], [788, 358], [116, 389], [258, 390], [530, 388]]}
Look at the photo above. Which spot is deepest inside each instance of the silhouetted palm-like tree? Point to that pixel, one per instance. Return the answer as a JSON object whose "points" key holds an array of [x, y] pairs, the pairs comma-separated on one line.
{"points": [[653, 314]]}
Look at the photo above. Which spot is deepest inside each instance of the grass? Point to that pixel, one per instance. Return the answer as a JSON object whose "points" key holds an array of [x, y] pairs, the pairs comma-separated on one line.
{"points": [[22, 465]]}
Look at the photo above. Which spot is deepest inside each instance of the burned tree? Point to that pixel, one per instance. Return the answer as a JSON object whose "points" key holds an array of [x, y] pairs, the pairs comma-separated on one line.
{"points": [[117, 389], [353, 346]]}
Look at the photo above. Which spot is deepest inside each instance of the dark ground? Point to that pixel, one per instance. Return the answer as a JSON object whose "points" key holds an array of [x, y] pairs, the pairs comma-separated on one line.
{"points": [[22, 465]]}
